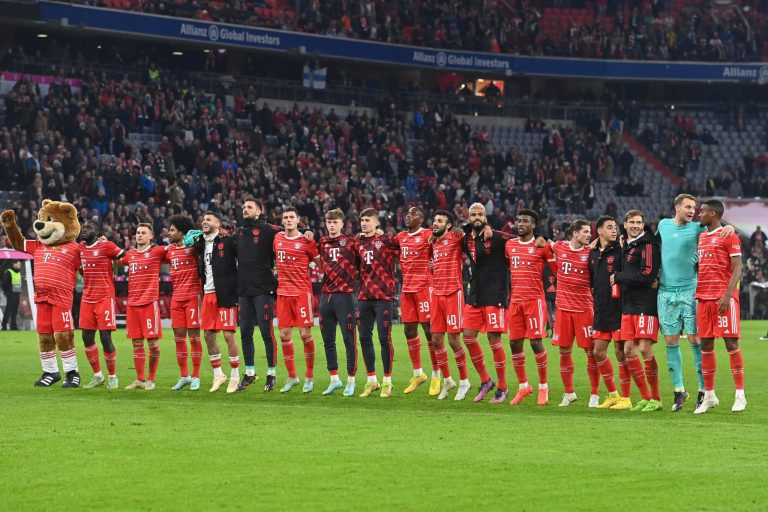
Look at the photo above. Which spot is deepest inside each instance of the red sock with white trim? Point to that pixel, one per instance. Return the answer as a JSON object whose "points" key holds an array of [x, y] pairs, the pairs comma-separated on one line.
{"points": [[154, 361], [708, 369], [605, 367], [414, 352], [737, 368], [92, 354], [196, 349], [518, 363], [566, 371], [111, 359], [433, 358], [652, 374], [139, 361], [625, 379], [477, 357], [499, 363], [638, 375], [461, 363], [593, 372], [442, 360], [290, 364], [309, 357], [541, 366], [182, 355]]}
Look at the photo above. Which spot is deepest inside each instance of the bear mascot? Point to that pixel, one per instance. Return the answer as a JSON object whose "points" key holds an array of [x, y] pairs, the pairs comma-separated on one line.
{"points": [[57, 260]]}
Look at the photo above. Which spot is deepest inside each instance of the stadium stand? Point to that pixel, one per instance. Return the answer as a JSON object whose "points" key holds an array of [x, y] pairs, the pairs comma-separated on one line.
{"points": [[693, 30]]}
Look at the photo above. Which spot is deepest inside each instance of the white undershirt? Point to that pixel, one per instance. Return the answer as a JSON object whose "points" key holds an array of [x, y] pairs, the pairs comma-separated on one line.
{"points": [[208, 287]]}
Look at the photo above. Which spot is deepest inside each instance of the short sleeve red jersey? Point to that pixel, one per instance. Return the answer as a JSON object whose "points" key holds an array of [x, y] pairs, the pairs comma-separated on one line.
{"points": [[715, 255], [184, 276], [415, 253], [292, 257], [377, 256], [574, 292], [526, 266], [447, 254], [339, 259], [98, 271], [55, 272], [144, 274]]}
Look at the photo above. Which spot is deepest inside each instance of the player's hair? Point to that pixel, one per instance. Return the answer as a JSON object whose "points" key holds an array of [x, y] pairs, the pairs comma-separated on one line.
{"points": [[181, 222], [369, 212], [255, 201], [213, 214], [716, 206], [682, 197], [288, 209], [575, 226], [477, 205], [530, 213], [448, 215], [146, 225], [634, 213], [335, 214], [602, 220], [418, 210]]}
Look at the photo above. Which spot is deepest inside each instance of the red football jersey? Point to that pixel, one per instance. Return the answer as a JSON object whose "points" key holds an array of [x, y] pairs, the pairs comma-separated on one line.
{"points": [[715, 264], [98, 271], [574, 291], [292, 257], [55, 272], [339, 260], [415, 253], [526, 266], [377, 256], [447, 254], [184, 275], [144, 274]]}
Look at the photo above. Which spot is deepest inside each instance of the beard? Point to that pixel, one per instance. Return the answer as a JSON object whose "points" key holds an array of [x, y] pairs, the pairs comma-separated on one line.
{"points": [[439, 233], [478, 226]]}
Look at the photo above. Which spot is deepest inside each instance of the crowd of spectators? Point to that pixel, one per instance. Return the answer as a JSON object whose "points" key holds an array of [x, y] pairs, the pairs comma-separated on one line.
{"points": [[675, 138], [74, 144], [619, 29]]}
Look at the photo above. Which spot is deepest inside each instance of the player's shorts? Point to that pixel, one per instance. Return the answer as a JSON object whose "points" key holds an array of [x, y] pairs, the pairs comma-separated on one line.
{"points": [[677, 310], [639, 327], [527, 319], [186, 314], [414, 306], [484, 318], [713, 324], [295, 311], [98, 315], [570, 325], [143, 322], [447, 312], [51, 319], [607, 335], [215, 318]]}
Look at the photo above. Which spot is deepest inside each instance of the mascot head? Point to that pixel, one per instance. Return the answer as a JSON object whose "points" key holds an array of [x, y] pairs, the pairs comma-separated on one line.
{"points": [[56, 223]]}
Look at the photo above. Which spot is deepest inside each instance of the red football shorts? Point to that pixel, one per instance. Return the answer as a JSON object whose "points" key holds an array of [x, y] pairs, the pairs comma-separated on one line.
{"points": [[143, 322], [713, 324], [570, 325], [527, 319], [447, 312], [295, 311], [639, 327], [51, 319], [215, 318], [414, 306], [484, 318], [98, 315], [607, 335], [185, 314]]}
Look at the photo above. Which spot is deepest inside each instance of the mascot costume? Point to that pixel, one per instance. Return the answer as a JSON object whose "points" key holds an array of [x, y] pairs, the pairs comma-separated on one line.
{"points": [[57, 260]]}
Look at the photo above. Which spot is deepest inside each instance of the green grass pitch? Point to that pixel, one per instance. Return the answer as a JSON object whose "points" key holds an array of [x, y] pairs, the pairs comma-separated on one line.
{"points": [[183, 451]]}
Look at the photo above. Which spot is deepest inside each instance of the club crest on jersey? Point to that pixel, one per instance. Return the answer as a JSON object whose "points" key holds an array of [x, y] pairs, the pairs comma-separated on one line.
{"points": [[220, 246], [610, 259], [417, 239], [377, 244], [297, 245], [530, 250], [64, 251], [95, 253], [584, 258], [255, 232], [146, 255], [343, 242]]}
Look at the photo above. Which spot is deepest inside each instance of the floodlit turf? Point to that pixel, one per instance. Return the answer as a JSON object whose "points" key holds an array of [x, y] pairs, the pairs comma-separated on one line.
{"points": [[136, 450]]}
